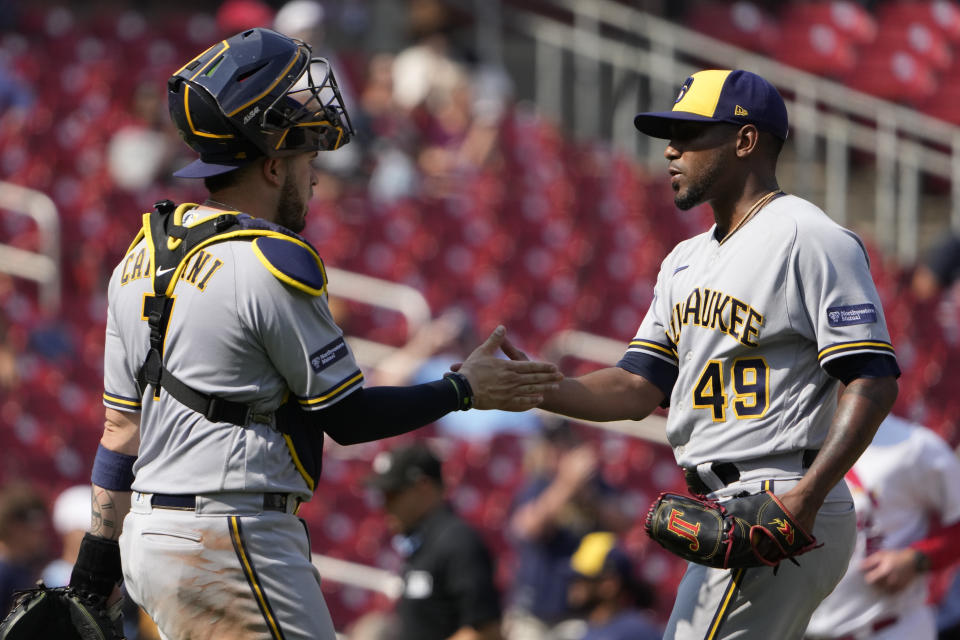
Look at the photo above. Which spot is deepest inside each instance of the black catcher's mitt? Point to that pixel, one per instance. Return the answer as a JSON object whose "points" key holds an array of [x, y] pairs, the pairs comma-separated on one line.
{"points": [[750, 531], [63, 613]]}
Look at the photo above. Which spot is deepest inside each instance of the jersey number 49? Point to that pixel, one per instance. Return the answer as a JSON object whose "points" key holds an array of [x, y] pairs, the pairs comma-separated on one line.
{"points": [[751, 389]]}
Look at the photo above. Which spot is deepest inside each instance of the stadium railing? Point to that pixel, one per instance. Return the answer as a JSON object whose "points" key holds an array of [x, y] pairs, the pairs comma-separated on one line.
{"points": [[376, 292], [598, 62], [41, 266]]}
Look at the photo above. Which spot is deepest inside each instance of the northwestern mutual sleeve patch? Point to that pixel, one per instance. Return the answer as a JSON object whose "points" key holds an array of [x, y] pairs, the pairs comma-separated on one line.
{"points": [[326, 356], [852, 314]]}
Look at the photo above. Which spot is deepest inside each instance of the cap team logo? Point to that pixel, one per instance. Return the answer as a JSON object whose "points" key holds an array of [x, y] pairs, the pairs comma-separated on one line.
{"points": [[684, 89], [684, 529]]}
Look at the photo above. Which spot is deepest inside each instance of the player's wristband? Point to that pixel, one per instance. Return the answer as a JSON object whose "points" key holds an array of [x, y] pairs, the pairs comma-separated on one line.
{"points": [[921, 561], [464, 391], [112, 470], [97, 569]]}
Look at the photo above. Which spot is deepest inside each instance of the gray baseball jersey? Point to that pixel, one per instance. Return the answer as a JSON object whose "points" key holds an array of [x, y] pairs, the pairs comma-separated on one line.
{"points": [[246, 325], [739, 333]]}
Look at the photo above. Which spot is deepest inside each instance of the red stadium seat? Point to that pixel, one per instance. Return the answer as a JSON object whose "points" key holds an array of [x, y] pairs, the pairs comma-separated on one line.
{"points": [[817, 47], [940, 14], [557, 234], [919, 38], [743, 24], [852, 21], [893, 74]]}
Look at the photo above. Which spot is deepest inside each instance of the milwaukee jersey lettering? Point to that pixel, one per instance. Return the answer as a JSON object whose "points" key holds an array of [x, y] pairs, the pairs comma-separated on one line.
{"points": [[719, 311]]}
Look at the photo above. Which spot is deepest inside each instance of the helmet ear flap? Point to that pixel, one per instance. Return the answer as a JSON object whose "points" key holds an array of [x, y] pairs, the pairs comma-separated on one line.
{"points": [[201, 114], [203, 125]]}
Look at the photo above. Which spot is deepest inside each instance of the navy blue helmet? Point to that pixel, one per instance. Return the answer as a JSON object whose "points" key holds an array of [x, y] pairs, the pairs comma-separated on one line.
{"points": [[258, 93]]}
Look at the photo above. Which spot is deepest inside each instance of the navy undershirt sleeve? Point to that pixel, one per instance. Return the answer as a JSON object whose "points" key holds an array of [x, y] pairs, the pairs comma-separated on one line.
{"points": [[867, 365], [662, 374], [381, 412]]}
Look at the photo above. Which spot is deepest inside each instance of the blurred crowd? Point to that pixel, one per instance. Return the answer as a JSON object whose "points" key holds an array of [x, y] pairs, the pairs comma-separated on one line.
{"points": [[450, 186]]}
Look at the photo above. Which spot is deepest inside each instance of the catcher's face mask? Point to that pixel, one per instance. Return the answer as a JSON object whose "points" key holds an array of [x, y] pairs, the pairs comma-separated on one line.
{"points": [[258, 93]]}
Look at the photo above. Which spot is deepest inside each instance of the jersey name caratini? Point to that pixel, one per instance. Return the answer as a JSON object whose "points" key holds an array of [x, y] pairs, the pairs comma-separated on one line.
{"points": [[242, 327], [739, 332]]}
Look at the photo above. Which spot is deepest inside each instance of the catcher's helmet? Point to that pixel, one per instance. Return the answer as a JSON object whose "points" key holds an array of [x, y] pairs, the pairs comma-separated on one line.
{"points": [[256, 93]]}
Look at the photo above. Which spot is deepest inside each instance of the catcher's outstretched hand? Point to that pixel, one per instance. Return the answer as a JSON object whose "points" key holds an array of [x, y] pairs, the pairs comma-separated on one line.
{"points": [[510, 385], [511, 351], [507, 347]]}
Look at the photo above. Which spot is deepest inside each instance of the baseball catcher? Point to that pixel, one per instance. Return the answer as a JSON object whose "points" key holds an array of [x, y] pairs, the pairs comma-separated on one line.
{"points": [[749, 531]]}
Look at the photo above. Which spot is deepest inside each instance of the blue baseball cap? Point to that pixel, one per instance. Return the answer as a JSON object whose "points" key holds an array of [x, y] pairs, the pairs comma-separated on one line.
{"points": [[204, 169], [721, 95]]}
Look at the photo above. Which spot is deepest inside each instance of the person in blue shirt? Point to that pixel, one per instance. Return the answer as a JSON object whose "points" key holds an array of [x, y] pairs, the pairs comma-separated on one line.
{"points": [[606, 590], [563, 498]]}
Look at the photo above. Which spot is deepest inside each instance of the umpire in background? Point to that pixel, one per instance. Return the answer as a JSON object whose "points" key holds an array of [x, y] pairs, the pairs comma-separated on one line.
{"points": [[448, 575]]}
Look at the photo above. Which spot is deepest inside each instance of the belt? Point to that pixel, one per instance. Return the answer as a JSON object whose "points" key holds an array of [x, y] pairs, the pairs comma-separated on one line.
{"points": [[729, 473], [271, 501]]}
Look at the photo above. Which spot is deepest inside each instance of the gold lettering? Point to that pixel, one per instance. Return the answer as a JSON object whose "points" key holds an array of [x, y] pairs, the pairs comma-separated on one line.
{"points": [[197, 266], [709, 298], [672, 331], [718, 314], [708, 308], [676, 320], [736, 317], [693, 307], [138, 265], [125, 278], [203, 283], [752, 328]]}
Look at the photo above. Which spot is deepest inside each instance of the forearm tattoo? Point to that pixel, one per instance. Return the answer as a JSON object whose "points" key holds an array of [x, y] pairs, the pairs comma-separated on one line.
{"points": [[104, 518]]}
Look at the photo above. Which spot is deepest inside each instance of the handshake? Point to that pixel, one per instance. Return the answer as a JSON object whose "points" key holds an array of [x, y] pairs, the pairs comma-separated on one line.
{"points": [[516, 384]]}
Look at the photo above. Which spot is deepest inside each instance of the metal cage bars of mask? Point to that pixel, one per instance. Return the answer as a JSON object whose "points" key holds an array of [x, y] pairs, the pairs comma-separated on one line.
{"points": [[316, 108]]}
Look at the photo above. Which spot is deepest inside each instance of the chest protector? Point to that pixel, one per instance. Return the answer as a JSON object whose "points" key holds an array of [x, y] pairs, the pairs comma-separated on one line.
{"points": [[171, 245]]}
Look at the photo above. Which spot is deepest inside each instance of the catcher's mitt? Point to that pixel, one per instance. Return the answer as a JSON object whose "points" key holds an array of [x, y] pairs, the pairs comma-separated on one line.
{"points": [[63, 613], [750, 531]]}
